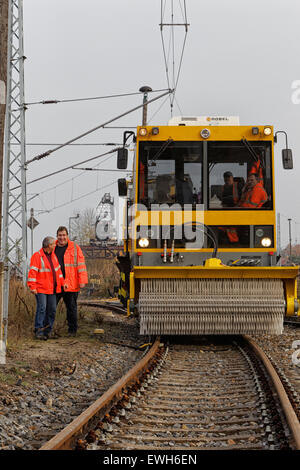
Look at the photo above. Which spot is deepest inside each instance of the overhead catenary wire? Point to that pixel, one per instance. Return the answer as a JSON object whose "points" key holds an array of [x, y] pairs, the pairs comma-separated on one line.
{"points": [[175, 74], [80, 197], [180, 64], [63, 183], [178, 106], [41, 144], [102, 169], [161, 106], [163, 45], [49, 152], [69, 167], [157, 111], [165, 54], [72, 100], [70, 179], [119, 127]]}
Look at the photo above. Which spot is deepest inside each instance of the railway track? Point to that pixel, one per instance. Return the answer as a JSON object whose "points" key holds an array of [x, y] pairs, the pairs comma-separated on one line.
{"points": [[214, 394], [113, 305], [293, 321]]}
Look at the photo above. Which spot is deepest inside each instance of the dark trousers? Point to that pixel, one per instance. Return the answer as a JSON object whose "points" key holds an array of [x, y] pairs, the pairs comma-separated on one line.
{"points": [[70, 300], [45, 313]]}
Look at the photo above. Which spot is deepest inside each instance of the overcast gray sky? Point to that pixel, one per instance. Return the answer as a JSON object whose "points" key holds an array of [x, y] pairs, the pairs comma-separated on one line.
{"points": [[241, 58]]}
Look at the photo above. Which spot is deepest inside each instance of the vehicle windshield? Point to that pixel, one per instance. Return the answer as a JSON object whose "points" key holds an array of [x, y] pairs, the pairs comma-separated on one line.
{"points": [[239, 177], [170, 173], [239, 174]]}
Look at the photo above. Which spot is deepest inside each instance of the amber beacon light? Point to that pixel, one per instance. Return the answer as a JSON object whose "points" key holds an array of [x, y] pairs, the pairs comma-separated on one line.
{"points": [[267, 131]]}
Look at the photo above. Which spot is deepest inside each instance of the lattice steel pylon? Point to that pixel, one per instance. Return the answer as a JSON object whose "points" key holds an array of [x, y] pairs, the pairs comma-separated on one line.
{"points": [[14, 228]]}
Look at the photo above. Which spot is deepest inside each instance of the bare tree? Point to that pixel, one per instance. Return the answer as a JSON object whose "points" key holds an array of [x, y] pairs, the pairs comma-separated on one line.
{"points": [[82, 228]]}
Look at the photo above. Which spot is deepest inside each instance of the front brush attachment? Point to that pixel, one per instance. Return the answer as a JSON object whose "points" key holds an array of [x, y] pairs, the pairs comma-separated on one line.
{"points": [[213, 299], [211, 306]]}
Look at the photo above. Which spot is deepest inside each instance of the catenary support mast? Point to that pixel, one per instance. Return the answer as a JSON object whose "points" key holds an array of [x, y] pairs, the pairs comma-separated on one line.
{"points": [[14, 229], [3, 80]]}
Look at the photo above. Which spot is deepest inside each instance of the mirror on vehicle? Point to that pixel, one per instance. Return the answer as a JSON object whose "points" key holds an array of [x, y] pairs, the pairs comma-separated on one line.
{"points": [[122, 187], [122, 159], [287, 159]]}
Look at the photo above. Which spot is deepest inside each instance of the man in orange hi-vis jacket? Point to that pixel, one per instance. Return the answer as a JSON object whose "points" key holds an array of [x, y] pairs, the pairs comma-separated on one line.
{"points": [[258, 171], [73, 267], [45, 280], [253, 195]]}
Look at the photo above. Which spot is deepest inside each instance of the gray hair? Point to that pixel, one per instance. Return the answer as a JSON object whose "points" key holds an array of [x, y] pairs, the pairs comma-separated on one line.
{"points": [[48, 241]]}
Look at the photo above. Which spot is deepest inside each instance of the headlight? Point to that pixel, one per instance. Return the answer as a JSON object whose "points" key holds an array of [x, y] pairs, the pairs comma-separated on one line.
{"points": [[266, 242], [263, 236], [267, 131], [143, 242], [143, 131]]}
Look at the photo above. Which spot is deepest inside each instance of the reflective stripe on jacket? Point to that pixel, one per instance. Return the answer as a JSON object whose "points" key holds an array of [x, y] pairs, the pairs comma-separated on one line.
{"points": [[75, 268], [40, 275], [254, 197]]}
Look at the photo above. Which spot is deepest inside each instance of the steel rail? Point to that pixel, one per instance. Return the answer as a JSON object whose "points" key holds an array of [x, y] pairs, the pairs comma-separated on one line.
{"points": [[67, 438], [287, 408], [294, 323], [106, 304]]}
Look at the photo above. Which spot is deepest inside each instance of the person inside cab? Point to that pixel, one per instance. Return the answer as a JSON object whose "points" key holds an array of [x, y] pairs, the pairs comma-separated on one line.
{"points": [[231, 191], [253, 194]]}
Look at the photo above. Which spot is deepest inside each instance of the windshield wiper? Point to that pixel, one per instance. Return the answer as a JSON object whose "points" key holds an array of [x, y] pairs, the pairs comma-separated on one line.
{"points": [[162, 149], [252, 152], [250, 149]]}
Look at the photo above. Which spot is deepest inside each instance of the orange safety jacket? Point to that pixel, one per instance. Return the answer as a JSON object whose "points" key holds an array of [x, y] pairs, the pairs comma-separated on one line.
{"points": [[257, 169], [254, 197], [75, 268], [40, 275], [231, 233]]}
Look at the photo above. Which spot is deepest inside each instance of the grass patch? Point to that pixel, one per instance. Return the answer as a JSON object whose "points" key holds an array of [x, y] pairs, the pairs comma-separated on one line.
{"points": [[7, 378]]}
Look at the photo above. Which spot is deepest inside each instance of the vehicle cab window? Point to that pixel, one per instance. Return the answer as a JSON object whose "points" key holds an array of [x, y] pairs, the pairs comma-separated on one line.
{"points": [[239, 177], [170, 173]]}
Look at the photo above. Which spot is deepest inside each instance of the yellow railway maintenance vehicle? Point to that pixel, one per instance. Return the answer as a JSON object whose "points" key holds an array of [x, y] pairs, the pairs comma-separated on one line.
{"points": [[200, 239]]}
